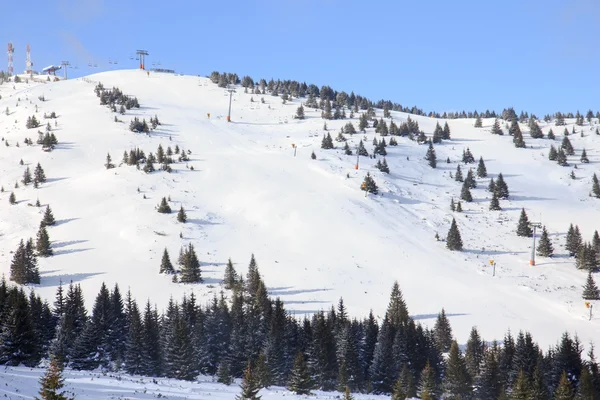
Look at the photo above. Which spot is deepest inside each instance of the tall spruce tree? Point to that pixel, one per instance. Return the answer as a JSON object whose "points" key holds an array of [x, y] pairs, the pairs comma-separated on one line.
{"points": [[496, 130], [478, 122], [465, 192], [458, 176], [442, 332], [523, 229], [181, 215], [481, 169], [52, 382], [428, 386], [457, 382], [250, 385], [300, 381], [166, 267], [190, 270], [488, 381], [501, 188], [164, 207], [564, 391], [48, 219], [590, 290], [545, 248], [453, 239], [494, 203], [474, 352], [430, 156], [595, 187], [43, 243]]}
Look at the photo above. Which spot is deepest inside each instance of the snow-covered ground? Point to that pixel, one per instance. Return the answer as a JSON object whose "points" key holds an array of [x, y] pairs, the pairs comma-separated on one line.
{"points": [[315, 235], [23, 383]]}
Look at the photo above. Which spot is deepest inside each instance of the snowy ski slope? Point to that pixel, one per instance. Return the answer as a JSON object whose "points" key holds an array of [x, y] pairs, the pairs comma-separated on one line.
{"points": [[315, 235]]}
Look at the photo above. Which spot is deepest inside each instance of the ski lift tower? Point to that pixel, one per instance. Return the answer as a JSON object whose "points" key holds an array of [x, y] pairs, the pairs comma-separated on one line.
{"points": [[65, 65], [533, 225], [231, 91], [141, 54]]}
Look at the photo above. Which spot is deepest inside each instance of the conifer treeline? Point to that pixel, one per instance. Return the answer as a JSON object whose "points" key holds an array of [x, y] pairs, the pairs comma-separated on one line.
{"points": [[287, 88], [328, 351]]}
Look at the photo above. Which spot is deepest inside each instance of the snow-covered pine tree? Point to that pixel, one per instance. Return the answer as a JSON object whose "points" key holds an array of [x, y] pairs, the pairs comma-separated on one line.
{"points": [[523, 229], [457, 382], [584, 158], [430, 156], [545, 248], [190, 270], [494, 203], [590, 289], [552, 154], [496, 130], [458, 176], [478, 122], [465, 193], [501, 188], [453, 239], [250, 385], [442, 332], [181, 215], [43, 243], [470, 179], [109, 163], [595, 187], [164, 207], [166, 267], [369, 185], [481, 169]]}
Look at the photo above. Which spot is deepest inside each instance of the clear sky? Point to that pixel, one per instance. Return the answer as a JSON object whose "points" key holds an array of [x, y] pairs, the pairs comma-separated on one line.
{"points": [[538, 55]]}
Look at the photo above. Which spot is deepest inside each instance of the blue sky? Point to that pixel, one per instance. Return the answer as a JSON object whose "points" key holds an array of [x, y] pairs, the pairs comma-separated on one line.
{"points": [[537, 55]]}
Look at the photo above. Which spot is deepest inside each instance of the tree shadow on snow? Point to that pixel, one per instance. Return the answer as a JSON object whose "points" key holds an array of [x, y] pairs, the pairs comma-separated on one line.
{"points": [[492, 252], [420, 317], [55, 280], [50, 180], [287, 292], [57, 245], [64, 221], [198, 221], [532, 198], [61, 252]]}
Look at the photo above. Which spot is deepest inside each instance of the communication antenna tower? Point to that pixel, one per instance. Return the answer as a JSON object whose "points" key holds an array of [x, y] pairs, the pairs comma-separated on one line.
{"points": [[28, 62], [11, 50]]}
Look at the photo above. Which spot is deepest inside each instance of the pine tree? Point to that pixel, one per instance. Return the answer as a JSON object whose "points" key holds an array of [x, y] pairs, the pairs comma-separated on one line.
{"points": [[496, 130], [465, 193], [561, 158], [458, 177], [586, 389], [570, 244], [164, 207], [459, 207], [492, 186], [12, 199], [467, 156], [109, 163], [453, 240], [405, 385], [300, 382], [552, 154], [521, 390], [52, 382], [250, 385], [501, 188], [166, 267], [430, 156], [481, 169], [442, 332], [516, 133], [564, 391], [384, 167], [478, 122], [590, 290], [551, 135], [446, 131], [369, 185], [584, 158], [223, 373], [523, 229], [457, 382], [567, 147], [470, 179], [190, 270], [313, 156], [48, 219], [43, 243], [231, 277], [437, 134], [495, 204], [26, 176], [452, 205], [595, 187], [38, 174], [428, 388], [181, 216], [545, 248]]}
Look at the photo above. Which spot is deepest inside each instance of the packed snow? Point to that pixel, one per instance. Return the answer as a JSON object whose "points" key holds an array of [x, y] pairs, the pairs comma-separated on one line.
{"points": [[315, 234]]}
